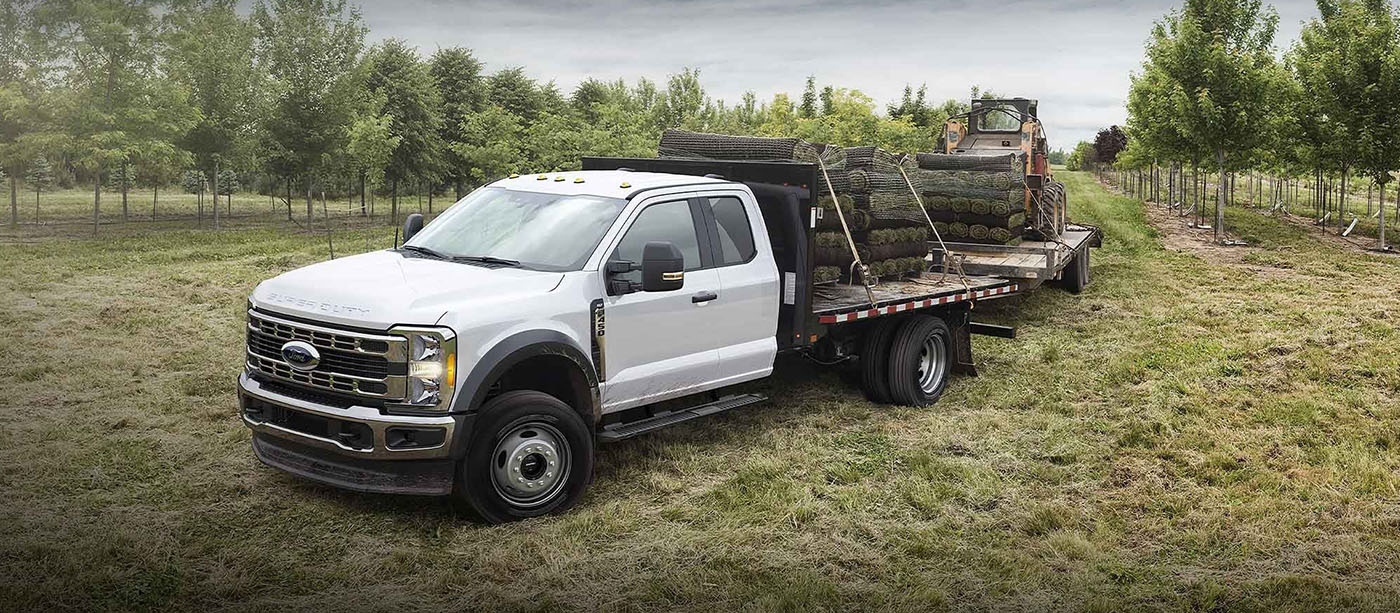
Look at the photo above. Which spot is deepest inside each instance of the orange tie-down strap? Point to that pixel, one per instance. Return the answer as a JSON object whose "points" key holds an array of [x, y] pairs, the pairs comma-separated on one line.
{"points": [[916, 304]]}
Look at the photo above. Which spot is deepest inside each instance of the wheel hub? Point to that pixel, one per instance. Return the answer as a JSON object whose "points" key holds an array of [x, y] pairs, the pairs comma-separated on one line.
{"points": [[530, 464], [931, 363]]}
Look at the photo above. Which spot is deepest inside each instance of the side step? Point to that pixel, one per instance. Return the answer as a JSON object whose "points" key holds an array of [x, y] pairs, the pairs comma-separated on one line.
{"points": [[623, 431]]}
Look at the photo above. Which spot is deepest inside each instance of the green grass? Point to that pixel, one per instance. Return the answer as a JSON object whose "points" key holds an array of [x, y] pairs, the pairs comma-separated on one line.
{"points": [[1187, 435]]}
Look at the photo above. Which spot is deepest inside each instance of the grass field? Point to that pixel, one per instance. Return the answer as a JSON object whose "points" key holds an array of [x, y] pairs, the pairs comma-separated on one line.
{"points": [[71, 209], [1199, 431]]}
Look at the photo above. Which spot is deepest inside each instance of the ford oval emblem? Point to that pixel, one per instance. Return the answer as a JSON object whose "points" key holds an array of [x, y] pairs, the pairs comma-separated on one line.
{"points": [[301, 355]]}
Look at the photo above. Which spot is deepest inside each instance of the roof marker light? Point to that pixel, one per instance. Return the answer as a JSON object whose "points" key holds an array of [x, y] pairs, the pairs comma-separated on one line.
{"points": [[625, 185], [558, 178], [578, 179], [541, 177], [515, 176]]}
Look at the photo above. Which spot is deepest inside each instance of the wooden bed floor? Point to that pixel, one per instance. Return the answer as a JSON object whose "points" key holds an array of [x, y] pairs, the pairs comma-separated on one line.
{"points": [[842, 296]]}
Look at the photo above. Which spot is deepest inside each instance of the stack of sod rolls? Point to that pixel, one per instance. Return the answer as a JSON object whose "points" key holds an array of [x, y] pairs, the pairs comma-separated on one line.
{"points": [[974, 198]]}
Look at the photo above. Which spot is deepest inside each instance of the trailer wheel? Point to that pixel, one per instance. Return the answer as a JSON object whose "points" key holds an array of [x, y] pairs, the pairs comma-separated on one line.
{"points": [[1076, 275], [874, 359], [920, 360], [530, 454]]}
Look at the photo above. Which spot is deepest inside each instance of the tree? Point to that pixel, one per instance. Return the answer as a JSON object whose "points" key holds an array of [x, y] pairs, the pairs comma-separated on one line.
{"points": [[492, 144], [211, 54], [1082, 157], [808, 109], [458, 77], [121, 108], [1219, 79], [518, 94], [310, 51], [38, 176], [370, 144], [1108, 143], [1348, 65], [412, 99]]}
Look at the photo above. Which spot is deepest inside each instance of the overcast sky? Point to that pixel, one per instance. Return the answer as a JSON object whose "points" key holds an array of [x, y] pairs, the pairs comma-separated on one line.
{"points": [[1073, 55]]}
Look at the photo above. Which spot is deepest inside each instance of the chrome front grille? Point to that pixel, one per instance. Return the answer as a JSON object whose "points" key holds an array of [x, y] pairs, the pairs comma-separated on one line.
{"points": [[353, 363]]}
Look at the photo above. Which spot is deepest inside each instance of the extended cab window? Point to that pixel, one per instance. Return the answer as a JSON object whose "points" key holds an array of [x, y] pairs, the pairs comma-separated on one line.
{"points": [[735, 234], [667, 221]]}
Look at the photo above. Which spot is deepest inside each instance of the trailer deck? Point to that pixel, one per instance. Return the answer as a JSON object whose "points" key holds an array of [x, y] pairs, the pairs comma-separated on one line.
{"points": [[1032, 261]]}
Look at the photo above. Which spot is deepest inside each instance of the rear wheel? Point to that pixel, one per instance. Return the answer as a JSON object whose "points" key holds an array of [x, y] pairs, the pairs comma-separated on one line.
{"points": [[1076, 275], [874, 359], [530, 454], [920, 360]]}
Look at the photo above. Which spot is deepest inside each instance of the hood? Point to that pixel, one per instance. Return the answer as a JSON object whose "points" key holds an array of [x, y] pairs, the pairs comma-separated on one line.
{"points": [[382, 289]]}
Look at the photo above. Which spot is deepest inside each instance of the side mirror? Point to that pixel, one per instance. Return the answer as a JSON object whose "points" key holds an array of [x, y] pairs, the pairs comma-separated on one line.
{"points": [[663, 267], [411, 225]]}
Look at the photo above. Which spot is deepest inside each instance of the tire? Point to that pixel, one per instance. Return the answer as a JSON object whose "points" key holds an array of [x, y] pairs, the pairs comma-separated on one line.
{"points": [[1087, 277], [921, 357], [524, 431], [874, 359], [1073, 276]]}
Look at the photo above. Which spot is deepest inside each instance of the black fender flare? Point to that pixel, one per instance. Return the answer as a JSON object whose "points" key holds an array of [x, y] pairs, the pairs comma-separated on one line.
{"points": [[499, 359], [515, 349]]}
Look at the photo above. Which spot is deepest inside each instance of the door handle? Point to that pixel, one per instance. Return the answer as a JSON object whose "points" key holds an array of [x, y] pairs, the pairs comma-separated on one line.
{"points": [[703, 297]]}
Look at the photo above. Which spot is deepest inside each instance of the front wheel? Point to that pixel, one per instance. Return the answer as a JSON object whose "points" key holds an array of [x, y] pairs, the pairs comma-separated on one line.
{"points": [[530, 454], [920, 360]]}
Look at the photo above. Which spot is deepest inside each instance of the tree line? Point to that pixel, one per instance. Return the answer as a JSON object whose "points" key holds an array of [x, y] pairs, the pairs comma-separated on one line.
{"points": [[291, 100], [1216, 97]]}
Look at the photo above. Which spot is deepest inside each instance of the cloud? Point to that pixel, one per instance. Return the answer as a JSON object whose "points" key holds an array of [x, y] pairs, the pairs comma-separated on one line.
{"points": [[1074, 56]]}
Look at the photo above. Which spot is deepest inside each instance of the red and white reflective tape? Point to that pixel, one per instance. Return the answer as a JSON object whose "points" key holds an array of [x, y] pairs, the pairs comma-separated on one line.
{"points": [[917, 304]]}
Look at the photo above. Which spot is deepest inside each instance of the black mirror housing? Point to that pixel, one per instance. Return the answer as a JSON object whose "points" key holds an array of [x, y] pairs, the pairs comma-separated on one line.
{"points": [[411, 225], [663, 267]]}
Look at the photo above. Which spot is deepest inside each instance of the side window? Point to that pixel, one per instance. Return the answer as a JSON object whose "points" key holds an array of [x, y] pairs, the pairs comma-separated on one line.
{"points": [[735, 234], [667, 221]]}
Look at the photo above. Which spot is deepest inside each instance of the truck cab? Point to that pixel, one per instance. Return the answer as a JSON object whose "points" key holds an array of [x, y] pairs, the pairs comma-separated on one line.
{"points": [[483, 357]]}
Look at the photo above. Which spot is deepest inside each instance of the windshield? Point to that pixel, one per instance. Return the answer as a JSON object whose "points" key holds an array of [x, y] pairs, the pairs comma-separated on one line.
{"points": [[541, 231], [1000, 118]]}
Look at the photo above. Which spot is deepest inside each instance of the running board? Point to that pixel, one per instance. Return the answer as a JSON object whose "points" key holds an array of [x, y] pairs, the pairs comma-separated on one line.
{"points": [[623, 431]]}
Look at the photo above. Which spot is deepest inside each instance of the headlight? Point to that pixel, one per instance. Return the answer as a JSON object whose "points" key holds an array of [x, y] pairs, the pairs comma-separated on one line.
{"points": [[431, 369]]}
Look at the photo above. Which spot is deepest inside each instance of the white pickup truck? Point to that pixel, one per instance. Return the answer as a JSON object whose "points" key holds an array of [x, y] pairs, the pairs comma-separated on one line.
{"points": [[541, 315]]}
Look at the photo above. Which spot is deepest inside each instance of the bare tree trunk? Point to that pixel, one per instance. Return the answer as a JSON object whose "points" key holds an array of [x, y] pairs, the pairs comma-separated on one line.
{"points": [[1220, 201], [96, 200], [155, 199], [289, 197], [363, 211], [309, 209], [37, 190], [394, 207], [215, 182], [1381, 220], [14, 202], [126, 172]]}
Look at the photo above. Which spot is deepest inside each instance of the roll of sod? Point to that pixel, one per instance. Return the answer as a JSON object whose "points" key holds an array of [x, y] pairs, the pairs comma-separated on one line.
{"points": [[895, 250], [963, 161], [826, 274]]}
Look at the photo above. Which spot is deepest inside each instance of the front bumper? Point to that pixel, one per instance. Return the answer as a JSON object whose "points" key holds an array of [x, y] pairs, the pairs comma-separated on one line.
{"points": [[350, 446]]}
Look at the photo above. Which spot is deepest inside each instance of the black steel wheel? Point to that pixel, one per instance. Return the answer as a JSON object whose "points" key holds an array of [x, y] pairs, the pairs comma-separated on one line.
{"points": [[921, 357]]}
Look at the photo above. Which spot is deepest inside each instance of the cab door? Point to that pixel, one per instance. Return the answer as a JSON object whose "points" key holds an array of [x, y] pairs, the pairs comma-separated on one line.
{"points": [[745, 315], [660, 345]]}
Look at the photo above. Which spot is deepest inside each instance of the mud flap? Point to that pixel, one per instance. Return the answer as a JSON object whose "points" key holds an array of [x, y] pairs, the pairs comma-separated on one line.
{"points": [[961, 325]]}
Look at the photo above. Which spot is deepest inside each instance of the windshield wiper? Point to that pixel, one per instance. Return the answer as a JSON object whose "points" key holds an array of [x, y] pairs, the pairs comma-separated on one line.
{"points": [[486, 259], [426, 251]]}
